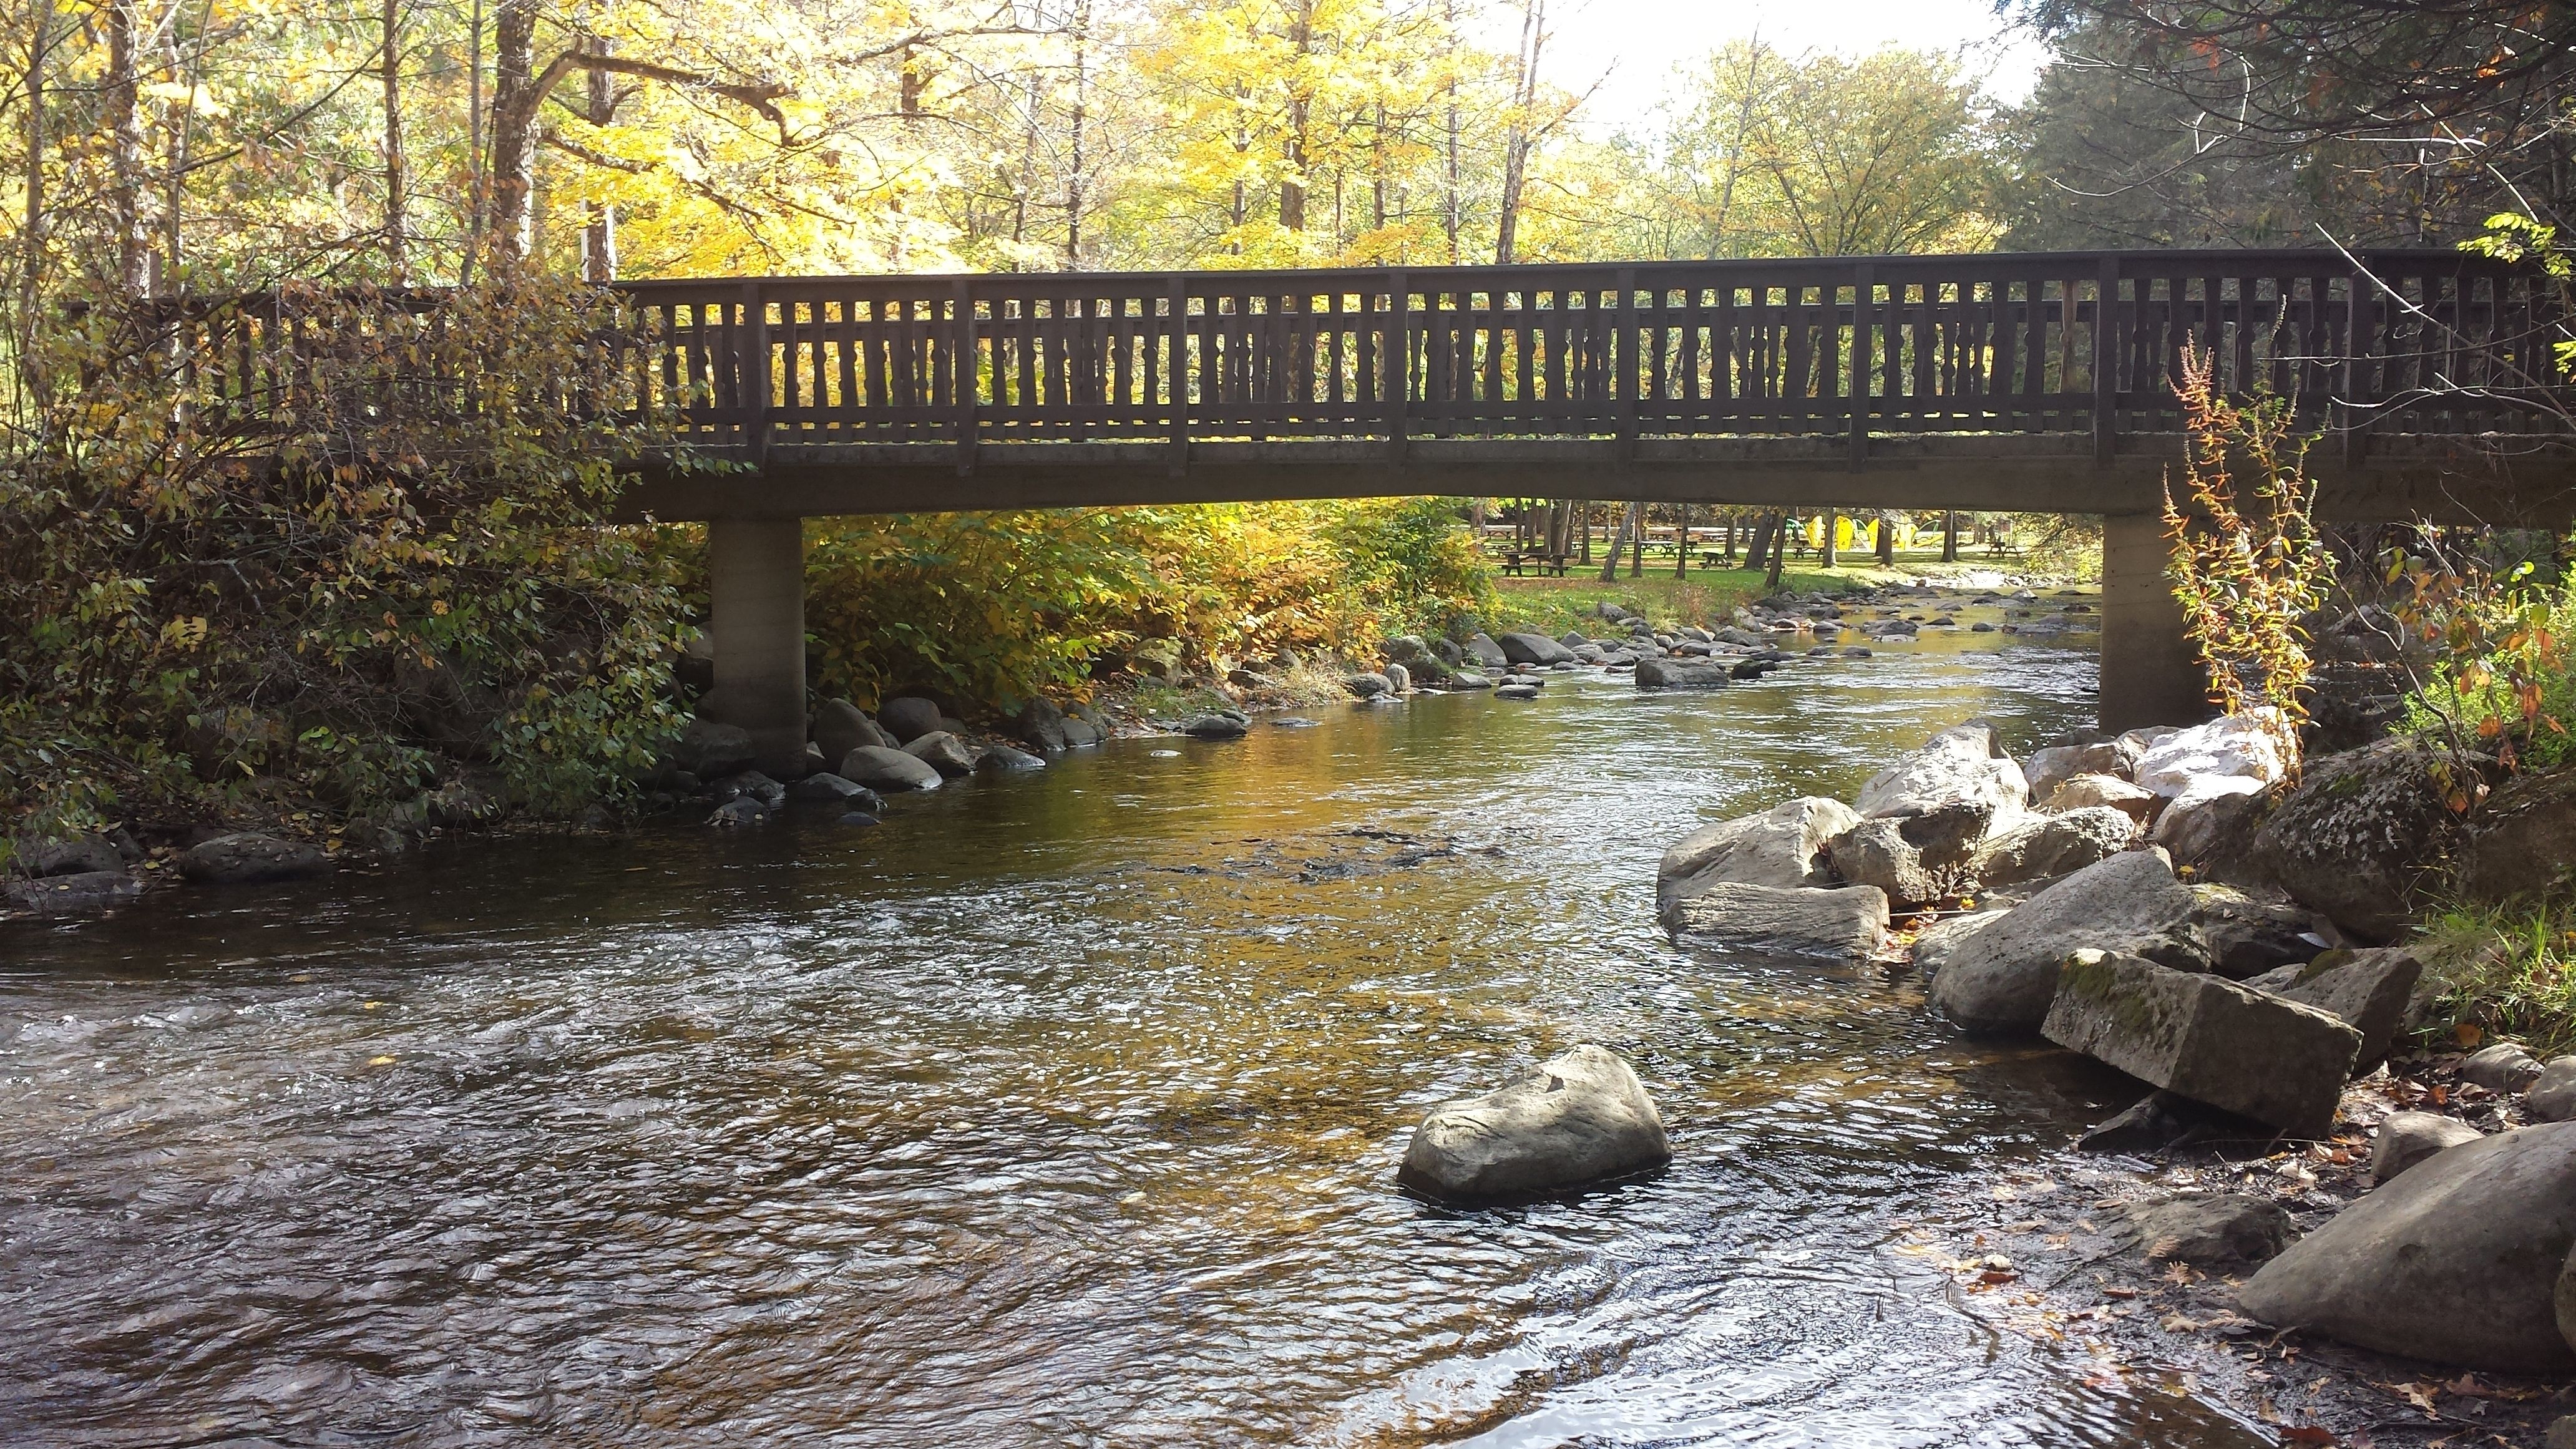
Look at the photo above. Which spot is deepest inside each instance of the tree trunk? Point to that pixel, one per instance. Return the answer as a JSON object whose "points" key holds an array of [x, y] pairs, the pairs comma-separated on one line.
{"points": [[1292, 153], [1518, 138], [119, 98], [1830, 551], [397, 204], [1631, 523], [1636, 541], [599, 234], [478, 196], [1887, 540], [1759, 541], [1682, 546], [514, 113], [31, 236], [1081, 117], [1730, 538], [1450, 219], [1949, 535], [1779, 555], [1583, 523]]}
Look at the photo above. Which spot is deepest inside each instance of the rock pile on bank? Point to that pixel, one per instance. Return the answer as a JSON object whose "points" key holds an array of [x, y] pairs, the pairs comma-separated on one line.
{"points": [[2167, 902]]}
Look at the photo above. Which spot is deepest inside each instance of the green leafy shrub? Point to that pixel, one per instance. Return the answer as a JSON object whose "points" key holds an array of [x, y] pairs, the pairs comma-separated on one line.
{"points": [[404, 571], [994, 608]]}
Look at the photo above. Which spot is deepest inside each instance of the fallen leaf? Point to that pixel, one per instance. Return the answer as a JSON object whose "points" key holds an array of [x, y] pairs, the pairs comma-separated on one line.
{"points": [[2119, 1292], [2469, 1034], [2307, 1434]]}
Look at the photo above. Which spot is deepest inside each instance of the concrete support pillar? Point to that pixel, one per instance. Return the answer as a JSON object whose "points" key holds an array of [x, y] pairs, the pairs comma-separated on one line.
{"points": [[756, 597], [2151, 675]]}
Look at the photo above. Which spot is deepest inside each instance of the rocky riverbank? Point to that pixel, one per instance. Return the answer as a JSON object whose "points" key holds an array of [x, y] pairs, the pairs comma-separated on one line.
{"points": [[857, 760], [2318, 1152]]}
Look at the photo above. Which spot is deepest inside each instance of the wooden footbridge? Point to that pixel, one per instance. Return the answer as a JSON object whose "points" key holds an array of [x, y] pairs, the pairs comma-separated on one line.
{"points": [[2026, 382], [2033, 382]]}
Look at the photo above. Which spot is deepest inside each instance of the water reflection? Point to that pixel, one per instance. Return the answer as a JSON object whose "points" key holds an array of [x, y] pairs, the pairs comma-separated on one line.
{"points": [[1060, 1110]]}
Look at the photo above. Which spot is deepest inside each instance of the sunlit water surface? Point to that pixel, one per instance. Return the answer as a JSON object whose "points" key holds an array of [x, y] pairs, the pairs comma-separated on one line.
{"points": [[1059, 1110]]}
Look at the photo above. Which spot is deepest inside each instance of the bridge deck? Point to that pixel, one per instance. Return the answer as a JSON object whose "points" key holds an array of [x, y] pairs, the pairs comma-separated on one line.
{"points": [[1997, 380]]}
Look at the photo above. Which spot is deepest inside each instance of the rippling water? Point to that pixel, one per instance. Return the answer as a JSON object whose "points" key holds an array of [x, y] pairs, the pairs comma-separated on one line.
{"points": [[1061, 1109]]}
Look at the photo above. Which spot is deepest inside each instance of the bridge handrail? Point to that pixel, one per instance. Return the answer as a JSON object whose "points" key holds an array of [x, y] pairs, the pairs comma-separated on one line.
{"points": [[2414, 340]]}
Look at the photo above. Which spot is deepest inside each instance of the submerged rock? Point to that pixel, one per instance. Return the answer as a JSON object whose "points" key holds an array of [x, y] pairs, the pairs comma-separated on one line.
{"points": [[829, 789], [1580, 1117], [1217, 727], [2207, 1038], [1368, 684], [1845, 923], [2458, 1261], [79, 893], [1519, 689]]}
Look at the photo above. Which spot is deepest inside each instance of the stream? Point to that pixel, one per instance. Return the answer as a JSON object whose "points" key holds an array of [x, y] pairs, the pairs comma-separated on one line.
{"points": [[1061, 1109]]}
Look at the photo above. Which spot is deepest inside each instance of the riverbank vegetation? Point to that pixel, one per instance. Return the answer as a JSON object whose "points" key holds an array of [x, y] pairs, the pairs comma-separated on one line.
{"points": [[320, 627]]}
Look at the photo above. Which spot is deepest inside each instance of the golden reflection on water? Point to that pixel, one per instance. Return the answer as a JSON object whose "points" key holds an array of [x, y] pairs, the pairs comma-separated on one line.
{"points": [[1058, 1110]]}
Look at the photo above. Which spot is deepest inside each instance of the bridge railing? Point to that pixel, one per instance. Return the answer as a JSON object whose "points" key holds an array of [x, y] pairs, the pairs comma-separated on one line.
{"points": [[2084, 344]]}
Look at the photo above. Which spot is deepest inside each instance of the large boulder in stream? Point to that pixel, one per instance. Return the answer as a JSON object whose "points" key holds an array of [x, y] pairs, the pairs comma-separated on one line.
{"points": [[1783, 846], [1964, 764], [840, 727], [2366, 989], [1681, 674], [1580, 1117], [2523, 844], [1848, 923], [891, 771], [1537, 649], [1916, 859], [2003, 978], [2045, 846], [2205, 1037], [249, 858], [909, 717], [2363, 837], [2461, 1261]]}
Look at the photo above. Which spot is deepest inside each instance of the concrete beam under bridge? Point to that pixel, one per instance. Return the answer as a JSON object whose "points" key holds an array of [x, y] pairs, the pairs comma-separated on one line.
{"points": [[2402, 479], [2150, 674]]}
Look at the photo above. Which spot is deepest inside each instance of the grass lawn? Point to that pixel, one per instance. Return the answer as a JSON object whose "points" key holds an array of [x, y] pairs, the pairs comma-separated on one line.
{"points": [[1552, 606]]}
